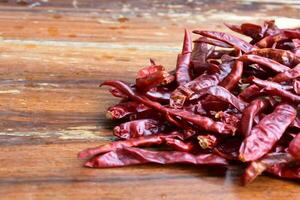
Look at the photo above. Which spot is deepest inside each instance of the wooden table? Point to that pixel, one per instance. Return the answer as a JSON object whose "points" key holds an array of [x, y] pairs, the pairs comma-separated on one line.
{"points": [[53, 55]]}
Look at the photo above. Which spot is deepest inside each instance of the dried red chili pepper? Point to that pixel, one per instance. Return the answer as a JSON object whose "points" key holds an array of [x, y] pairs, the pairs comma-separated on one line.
{"points": [[199, 57], [264, 83], [159, 94], [137, 128], [152, 76], [183, 72], [133, 156], [227, 38], [222, 94], [290, 170], [286, 95], [254, 31], [266, 62], [132, 142], [267, 132], [258, 167], [249, 92], [294, 147], [253, 109], [233, 78], [286, 58], [288, 74]]}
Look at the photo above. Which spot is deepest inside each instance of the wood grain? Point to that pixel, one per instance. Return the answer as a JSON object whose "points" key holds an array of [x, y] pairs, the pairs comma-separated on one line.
{"points": [[53, 55]]}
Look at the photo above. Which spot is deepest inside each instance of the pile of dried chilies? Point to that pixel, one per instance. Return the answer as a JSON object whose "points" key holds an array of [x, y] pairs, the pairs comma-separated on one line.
{"points": [[228, 100]]}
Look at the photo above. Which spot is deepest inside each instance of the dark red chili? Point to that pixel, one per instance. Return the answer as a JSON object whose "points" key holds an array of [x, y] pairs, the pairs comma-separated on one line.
{"points": [[267, 132]]}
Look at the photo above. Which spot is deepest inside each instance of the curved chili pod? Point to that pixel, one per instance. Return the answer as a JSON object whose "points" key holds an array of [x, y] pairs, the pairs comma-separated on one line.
{"points": [[256, 32], [179, 145], [284, 57], [267, 132], [294, 147], [132, 156], [253, 109], [264, 83], [258, 167], [289, 170], [266, 62], [227, 38], [286, 95], [132, 142], [288, 74], [183, 74], [233, 78], [271, 39], [159, 94]]}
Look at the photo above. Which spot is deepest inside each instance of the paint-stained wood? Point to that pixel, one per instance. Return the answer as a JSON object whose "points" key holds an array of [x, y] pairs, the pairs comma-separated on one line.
{"points": [[53, 55]]}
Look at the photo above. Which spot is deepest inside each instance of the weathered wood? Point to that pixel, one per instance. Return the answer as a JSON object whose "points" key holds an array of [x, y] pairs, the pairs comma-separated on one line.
{"points": [[52, 58]]}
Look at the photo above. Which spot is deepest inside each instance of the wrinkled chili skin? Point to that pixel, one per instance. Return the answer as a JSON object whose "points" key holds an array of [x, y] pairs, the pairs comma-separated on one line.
{"points": [[184, 92], [132, 142], [152, 76], [259, 166], [288, 75], [289, 171], [159, 94], [253, 109], [286, 58], [272, 84], [137, 128], [199, 57], [250, 92], [217, 43], [266, 62], [183, 72], [133, 156], [231, 81], [286, 95], [227, 38], [222, 94], [267, 132], [294, 147]]}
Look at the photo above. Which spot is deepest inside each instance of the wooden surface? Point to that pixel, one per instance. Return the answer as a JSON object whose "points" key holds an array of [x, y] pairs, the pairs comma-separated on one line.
{"points": [[53, 55]]}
